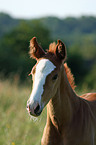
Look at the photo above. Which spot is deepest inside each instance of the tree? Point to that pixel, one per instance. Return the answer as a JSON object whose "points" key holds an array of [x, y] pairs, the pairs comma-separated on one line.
{"points": [[14, 47]]}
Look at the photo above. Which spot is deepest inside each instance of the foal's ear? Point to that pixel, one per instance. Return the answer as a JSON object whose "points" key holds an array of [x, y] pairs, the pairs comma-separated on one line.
{"points": [[35, 49], [61, 50]]}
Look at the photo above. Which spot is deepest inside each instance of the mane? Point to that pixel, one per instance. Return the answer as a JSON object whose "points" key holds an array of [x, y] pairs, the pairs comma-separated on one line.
{"points": [[70, 77], [52, 47]]}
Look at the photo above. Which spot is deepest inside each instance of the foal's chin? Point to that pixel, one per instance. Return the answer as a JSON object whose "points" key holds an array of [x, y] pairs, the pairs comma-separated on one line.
{"points": [[35, 115]]}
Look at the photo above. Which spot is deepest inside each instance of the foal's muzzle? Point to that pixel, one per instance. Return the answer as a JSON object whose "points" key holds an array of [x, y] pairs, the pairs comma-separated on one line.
{"points": [[34, 109]]}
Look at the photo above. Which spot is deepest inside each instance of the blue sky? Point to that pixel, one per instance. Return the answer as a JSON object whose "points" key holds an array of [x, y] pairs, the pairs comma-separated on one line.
{"points": [[40, 8]]}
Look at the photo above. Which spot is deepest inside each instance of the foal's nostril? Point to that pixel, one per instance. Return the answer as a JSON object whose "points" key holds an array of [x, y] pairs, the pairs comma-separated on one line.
{"points": [[37, 109]]}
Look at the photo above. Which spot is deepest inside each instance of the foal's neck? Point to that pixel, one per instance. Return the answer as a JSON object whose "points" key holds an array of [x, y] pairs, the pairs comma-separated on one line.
{"points": [[63, 105]]}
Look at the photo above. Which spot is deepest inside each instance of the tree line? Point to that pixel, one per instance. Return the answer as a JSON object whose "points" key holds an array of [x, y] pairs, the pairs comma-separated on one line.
{"points": [[80, 43]]}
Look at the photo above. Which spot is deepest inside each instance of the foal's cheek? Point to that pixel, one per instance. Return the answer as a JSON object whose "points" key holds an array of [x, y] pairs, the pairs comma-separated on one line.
{"points": [[55, 86], [49, 92], [50, 89], [46, 96]]}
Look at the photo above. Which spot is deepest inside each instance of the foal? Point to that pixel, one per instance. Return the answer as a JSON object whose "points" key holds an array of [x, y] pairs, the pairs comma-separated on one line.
{"points": [[71, 120]]}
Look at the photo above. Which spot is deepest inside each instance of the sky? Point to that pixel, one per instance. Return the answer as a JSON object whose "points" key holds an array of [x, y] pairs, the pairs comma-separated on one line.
{"points": [[40, 8]]}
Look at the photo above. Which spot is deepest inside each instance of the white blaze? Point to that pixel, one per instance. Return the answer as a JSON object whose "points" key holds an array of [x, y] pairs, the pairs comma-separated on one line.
{"points": [[43, 69]]}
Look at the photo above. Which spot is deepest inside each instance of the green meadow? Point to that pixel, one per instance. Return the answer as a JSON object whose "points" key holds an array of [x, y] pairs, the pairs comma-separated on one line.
{"points": [[16, 126]]}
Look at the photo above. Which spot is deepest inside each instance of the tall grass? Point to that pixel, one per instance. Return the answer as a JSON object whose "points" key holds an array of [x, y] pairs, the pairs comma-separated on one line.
{"points": [[16, 126]]}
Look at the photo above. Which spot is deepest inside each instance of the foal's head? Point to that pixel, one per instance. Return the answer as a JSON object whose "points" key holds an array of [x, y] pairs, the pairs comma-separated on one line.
{"points": [[45, 74]]}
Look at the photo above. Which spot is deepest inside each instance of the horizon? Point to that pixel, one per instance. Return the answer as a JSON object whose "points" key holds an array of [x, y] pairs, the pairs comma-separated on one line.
{"points": [[76, 17]]}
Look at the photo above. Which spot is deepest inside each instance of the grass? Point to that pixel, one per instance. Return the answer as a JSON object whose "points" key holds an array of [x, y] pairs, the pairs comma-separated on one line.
{"points": [[16, 126]]}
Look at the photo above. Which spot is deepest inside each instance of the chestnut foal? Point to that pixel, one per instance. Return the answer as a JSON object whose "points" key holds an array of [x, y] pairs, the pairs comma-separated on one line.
{"points": [[71, 120]]}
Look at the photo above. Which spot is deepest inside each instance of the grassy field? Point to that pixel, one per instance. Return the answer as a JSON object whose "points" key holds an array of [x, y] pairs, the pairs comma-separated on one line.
{"points": [[16, 126]]}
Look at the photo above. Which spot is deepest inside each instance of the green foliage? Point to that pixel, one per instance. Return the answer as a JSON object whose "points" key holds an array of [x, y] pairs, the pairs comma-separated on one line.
{"points": [[14, 48], [78, 34], [77, 64], [7, 24], [70, 27], [90, 79]]}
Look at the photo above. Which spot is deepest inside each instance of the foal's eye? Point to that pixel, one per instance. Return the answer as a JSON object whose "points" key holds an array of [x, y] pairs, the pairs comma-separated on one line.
{"points": [[55, 77]]}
